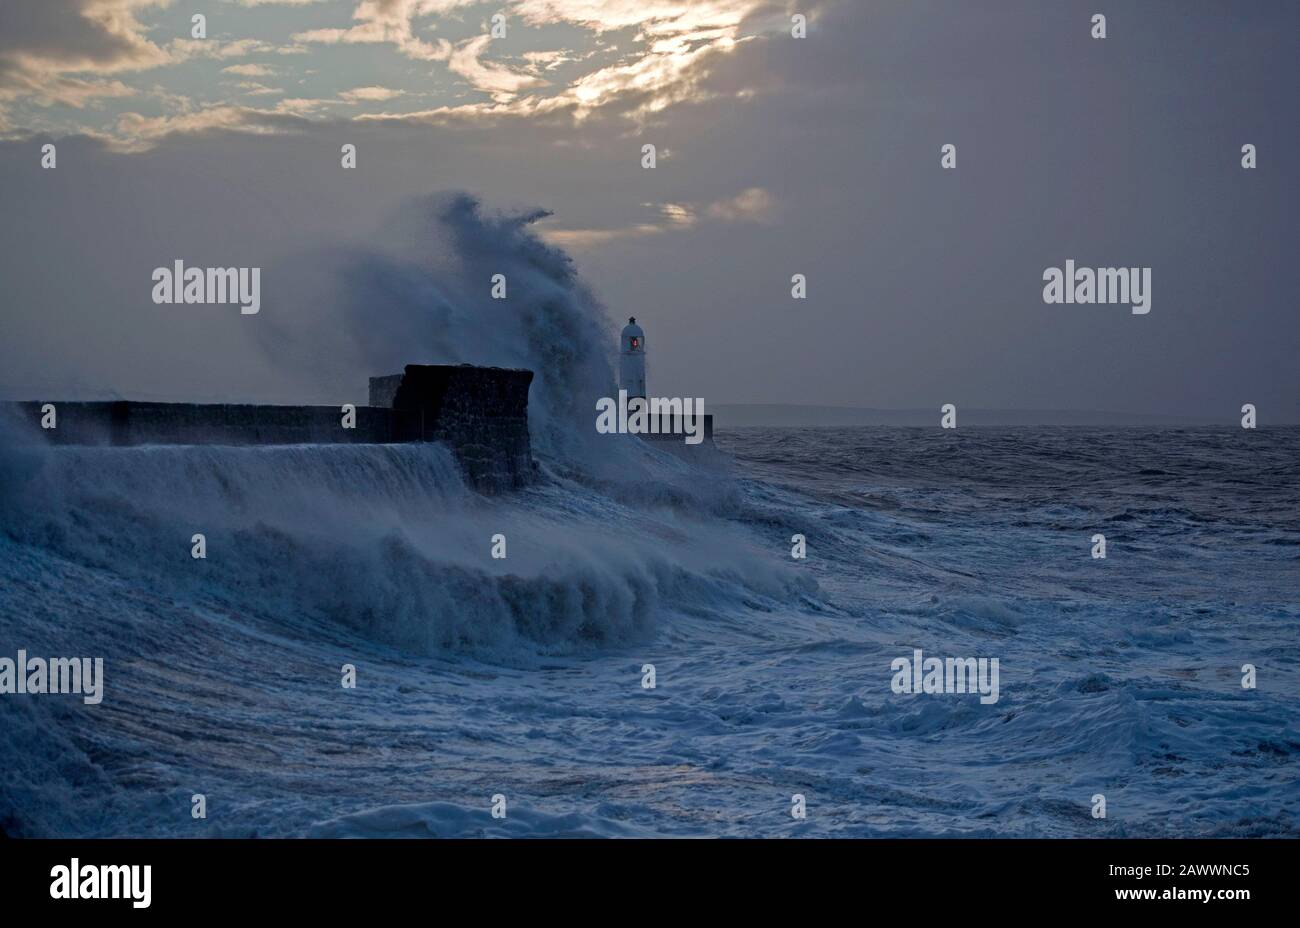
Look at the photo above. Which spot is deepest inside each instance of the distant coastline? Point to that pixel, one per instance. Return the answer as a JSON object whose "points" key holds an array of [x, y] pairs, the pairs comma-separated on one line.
{"points": [[779, 415]]}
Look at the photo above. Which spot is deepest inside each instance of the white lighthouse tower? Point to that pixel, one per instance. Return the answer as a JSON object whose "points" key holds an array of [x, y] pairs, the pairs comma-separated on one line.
{"points": [[631, 360]]}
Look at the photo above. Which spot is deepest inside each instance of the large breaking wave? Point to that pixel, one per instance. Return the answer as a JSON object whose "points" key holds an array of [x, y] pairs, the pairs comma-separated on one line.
{"points": [[420, 292], [387, 541]]}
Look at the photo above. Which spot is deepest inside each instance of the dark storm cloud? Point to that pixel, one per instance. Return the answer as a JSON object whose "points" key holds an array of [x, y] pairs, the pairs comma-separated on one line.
{"points": [[40, 39]]}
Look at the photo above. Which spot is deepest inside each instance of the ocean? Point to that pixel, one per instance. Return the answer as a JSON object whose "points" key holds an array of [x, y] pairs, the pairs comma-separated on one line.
{"points": [[520, 684]]}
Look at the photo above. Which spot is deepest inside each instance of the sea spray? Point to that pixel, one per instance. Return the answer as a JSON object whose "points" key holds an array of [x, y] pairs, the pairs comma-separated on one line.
{"points": [[420, 291]]}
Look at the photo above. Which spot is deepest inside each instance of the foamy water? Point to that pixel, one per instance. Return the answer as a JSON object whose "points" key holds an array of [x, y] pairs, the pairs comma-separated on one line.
{"points": [[522, 676]]}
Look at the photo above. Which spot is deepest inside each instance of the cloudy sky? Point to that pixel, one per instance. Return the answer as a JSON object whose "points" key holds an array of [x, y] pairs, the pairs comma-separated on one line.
{"points": [[777, 156]]}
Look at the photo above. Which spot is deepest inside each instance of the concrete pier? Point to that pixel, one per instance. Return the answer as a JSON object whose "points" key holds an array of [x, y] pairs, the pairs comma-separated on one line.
{"points": [[480, 413]]}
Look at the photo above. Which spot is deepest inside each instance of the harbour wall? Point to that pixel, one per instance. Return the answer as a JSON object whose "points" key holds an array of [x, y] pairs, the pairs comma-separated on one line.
{"points": [[480, 413]]}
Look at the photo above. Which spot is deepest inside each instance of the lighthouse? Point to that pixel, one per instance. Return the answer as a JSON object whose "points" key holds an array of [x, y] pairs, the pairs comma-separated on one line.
{"points": [[631, 360]]}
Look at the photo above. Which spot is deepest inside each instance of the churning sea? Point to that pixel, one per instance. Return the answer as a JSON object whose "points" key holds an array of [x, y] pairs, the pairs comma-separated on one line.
{"points": [[524, 677]]}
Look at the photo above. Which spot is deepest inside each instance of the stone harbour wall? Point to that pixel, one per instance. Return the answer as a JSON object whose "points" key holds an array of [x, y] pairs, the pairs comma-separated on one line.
{"points": [[480, 413]]}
